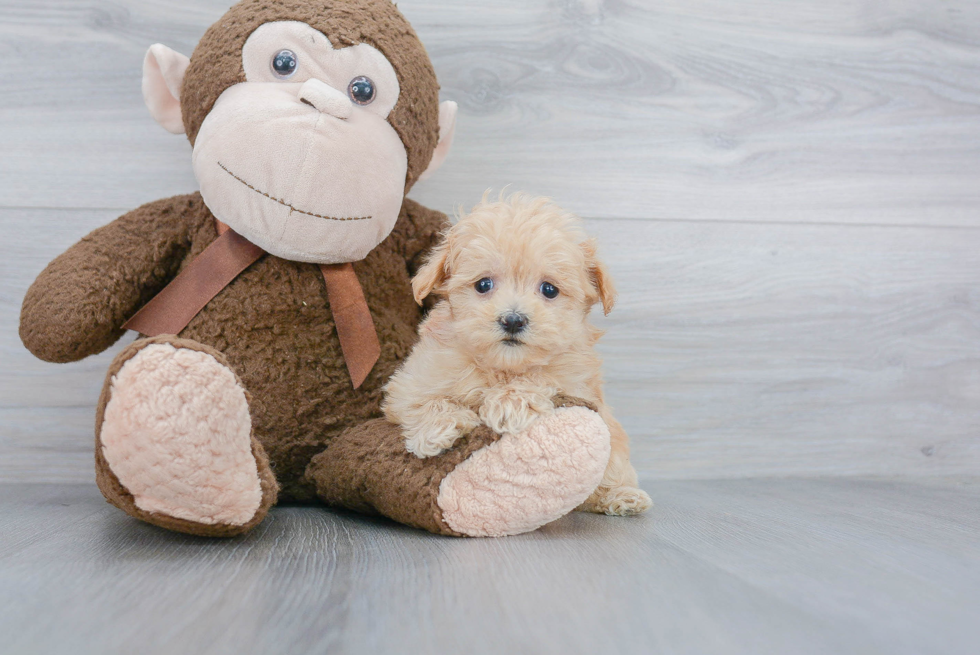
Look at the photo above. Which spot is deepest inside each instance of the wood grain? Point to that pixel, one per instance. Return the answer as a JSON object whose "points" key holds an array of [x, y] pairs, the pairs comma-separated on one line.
{"points": [[752, 566], [839, 111], [786, 350], [788, 324]]}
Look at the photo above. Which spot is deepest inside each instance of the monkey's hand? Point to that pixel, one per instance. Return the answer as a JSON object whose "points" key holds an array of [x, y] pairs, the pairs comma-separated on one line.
{"points": [[78, 304], [435, 426]]}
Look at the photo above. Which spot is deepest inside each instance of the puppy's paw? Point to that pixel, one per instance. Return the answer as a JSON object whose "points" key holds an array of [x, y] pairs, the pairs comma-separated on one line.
{"points": [[438, 430], [429, 444], [506, 411], [617, 501]]}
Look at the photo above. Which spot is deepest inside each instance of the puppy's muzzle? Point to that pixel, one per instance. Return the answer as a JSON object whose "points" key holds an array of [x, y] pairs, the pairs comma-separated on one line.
{"points": [[513, 322]]}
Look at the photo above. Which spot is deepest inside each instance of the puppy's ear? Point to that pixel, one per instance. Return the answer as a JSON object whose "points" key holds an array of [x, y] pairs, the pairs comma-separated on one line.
{"points": [[433, 273], [599, 275]]}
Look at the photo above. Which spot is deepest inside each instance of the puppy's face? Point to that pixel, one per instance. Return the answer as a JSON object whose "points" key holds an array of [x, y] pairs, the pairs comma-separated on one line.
{"points": [[521, 277]]}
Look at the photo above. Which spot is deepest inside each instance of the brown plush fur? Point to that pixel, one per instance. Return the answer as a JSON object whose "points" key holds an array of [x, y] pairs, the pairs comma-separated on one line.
{"points": [[217, 62], [368, 470], [273, 323], [78, 304], [118, 495]]}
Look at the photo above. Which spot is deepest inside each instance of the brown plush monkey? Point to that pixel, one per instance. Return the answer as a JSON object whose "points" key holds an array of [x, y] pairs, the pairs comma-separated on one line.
{"points": [[310, 120]]}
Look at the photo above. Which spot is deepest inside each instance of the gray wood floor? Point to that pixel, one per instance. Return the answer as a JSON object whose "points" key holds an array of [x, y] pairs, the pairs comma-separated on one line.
{"points": [[788, 195], [737, 566]]}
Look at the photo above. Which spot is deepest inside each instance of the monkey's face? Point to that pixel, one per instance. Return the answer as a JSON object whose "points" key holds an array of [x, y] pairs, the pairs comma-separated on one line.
{"points": [[300, 158]]}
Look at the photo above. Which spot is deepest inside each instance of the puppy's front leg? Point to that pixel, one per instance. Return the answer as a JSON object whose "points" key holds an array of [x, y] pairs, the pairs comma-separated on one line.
{"points": [[509, 409], [434, 426]]}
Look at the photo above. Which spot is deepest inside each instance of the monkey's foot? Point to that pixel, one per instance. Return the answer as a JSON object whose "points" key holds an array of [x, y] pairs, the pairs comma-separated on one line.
{"points": [[485, 485], [174, 444], [526, 480]]}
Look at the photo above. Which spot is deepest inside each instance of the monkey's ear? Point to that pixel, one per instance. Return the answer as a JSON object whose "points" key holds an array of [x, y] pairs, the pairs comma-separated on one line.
{"points": [[599, 275], [447, 130], [163, 73], [433, 273]]}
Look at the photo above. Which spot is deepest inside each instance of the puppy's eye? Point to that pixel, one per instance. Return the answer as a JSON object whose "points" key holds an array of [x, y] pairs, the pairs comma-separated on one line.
{"points": [[548, 290], [361, 90], [484, 285], [284, 64]]}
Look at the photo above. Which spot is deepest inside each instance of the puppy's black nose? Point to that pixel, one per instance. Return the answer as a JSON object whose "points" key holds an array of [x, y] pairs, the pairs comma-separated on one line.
{"points": [[513, 322]]}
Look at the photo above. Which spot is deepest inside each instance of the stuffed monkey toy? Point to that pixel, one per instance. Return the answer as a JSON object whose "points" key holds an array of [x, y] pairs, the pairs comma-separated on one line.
{"points": [[273, 305]]}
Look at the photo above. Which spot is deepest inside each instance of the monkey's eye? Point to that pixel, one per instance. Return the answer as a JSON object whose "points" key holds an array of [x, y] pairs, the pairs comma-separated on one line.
{"points": [[361, 90], [484, 285], [284, 64], [548, 290]]}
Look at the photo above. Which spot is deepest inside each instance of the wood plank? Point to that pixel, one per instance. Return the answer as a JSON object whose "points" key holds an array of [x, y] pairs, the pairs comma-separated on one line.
{"points": [[795, 350], [840, 111], [736, 350], [750, 566]]}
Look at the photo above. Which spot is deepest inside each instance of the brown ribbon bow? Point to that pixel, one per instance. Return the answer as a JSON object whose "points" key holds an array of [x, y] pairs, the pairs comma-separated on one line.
{"points": [[179, 302]]}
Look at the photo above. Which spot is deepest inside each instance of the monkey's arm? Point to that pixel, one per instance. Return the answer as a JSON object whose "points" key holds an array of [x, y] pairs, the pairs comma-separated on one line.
{"points": [[78, 304]]}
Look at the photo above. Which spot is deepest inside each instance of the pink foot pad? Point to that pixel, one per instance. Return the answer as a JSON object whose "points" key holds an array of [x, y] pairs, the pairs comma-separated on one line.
{"points": [[177, 434], [524, 481]]}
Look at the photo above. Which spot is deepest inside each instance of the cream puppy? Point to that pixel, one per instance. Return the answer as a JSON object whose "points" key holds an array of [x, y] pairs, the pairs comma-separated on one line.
{"points": [[518, 278]]}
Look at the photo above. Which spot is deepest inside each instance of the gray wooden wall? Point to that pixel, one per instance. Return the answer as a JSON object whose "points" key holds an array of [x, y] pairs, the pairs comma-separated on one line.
{"points": [[788, 193]]}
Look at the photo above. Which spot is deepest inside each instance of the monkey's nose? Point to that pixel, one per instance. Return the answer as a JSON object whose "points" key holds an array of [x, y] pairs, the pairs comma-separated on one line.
{"points": [[325, 98], [513, 322]]}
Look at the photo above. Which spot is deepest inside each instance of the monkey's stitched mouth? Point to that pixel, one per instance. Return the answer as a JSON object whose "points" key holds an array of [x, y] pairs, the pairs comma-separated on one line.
{"points": [[286, 204]]}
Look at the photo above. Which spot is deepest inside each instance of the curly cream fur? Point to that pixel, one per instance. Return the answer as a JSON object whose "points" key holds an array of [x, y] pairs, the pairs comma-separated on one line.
{"points": [[466, 370]]}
